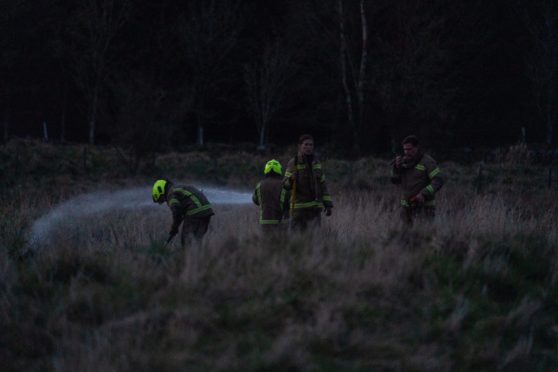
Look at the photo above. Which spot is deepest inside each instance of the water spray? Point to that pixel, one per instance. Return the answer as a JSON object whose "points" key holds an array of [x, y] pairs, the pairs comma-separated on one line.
{"points": [[99, 202]]}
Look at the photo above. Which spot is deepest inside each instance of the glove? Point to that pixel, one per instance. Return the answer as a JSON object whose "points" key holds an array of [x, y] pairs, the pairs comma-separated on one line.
{"points": [[327, 211]]}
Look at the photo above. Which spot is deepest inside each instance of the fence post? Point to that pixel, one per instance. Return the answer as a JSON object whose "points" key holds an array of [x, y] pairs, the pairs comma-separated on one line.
{"points": [[45, 131]]}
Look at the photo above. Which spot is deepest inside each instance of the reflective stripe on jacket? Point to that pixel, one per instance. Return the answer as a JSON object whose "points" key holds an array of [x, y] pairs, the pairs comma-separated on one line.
{"points": [[421, 177], [308, 179], [273, 200], [187, 201]]}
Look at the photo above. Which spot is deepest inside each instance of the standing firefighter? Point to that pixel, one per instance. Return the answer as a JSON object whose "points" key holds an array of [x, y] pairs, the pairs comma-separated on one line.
{"points": [[271, 197], [306, 181], [188, 205], [419, 177]]}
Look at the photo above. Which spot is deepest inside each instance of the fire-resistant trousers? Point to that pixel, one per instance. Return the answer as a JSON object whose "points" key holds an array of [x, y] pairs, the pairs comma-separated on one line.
{"points": [[412, 214], [194, 228], [305, 218]]}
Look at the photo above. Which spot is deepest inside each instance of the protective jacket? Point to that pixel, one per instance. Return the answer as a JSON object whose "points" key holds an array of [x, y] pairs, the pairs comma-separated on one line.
{"points": [[187, 202], [421, 176], [273, 200], [305, 179]]}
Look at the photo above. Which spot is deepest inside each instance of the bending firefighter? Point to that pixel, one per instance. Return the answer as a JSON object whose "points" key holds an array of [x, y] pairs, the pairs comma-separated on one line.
{"points": [[306, 181], [419, 178], [188, 205], [271, 197]]}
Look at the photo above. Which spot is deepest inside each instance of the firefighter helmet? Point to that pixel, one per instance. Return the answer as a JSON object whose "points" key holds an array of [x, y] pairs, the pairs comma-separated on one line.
{"points": [[159, 189], [273, 166]]}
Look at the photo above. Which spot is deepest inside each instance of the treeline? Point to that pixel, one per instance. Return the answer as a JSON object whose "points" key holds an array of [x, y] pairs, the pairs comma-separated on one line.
{"points": [[358, 74]]}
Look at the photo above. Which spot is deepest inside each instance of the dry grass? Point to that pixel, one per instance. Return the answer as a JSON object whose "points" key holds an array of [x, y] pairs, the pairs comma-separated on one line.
{"points": [[474, 290]]}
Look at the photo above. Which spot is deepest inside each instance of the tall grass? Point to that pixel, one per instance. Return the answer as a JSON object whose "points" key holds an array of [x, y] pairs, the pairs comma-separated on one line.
{"points": [[476, 289]]}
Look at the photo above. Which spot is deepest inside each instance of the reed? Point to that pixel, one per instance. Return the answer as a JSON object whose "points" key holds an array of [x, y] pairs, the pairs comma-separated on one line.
{"points": [[475, 289]]}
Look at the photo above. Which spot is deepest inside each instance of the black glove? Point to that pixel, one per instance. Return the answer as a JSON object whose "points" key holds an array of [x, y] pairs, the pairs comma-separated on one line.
{"points": [[327, 211]]}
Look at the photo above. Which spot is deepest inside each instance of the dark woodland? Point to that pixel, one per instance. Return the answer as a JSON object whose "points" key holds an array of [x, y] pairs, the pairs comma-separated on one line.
{"points": [[358, 74]]}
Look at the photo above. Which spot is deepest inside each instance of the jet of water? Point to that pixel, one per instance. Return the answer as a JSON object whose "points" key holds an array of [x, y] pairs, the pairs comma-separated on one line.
{"points": [[104, 201]]}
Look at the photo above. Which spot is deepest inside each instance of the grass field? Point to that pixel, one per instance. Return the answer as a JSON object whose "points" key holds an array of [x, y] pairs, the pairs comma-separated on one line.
{"points": [[475, 290]]}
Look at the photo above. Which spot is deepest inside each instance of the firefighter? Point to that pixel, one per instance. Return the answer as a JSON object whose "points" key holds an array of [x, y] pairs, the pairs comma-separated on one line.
{"points": [[188, 205], [305, 179], [419, 178], [272, 197]]}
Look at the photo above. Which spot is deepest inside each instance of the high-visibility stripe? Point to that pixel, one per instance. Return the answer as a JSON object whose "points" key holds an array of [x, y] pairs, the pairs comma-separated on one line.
{"points": [[429, 203], [430, 189], [193, 197], [173, 202], [282, 198], [434, 173], [420, 167], [269, 222], [314, 166], [311, 204], [327, 198], [273, 222], [322, 178], [288, 174], [197, 210], [197, 202]]}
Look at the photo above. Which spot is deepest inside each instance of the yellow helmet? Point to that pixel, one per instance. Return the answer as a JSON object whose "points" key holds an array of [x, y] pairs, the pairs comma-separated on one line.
{"points": [[273, 166], [159, 189]]}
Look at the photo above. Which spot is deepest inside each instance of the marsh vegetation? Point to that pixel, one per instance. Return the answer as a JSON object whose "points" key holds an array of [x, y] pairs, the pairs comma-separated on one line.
{"points": [[474, 290]]}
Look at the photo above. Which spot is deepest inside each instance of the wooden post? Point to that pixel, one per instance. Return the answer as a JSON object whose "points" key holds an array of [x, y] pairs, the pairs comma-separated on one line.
{"points": [[45, 131], [200, 139]]}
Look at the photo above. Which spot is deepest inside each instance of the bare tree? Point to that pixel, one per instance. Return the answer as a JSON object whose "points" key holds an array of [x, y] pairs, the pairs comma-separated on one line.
{"points": [[541, 20], [10, 52], [355, 110], [143, 123], [414, 85], [148, 98], [92, 32], [265, 84], [208, 34]]}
